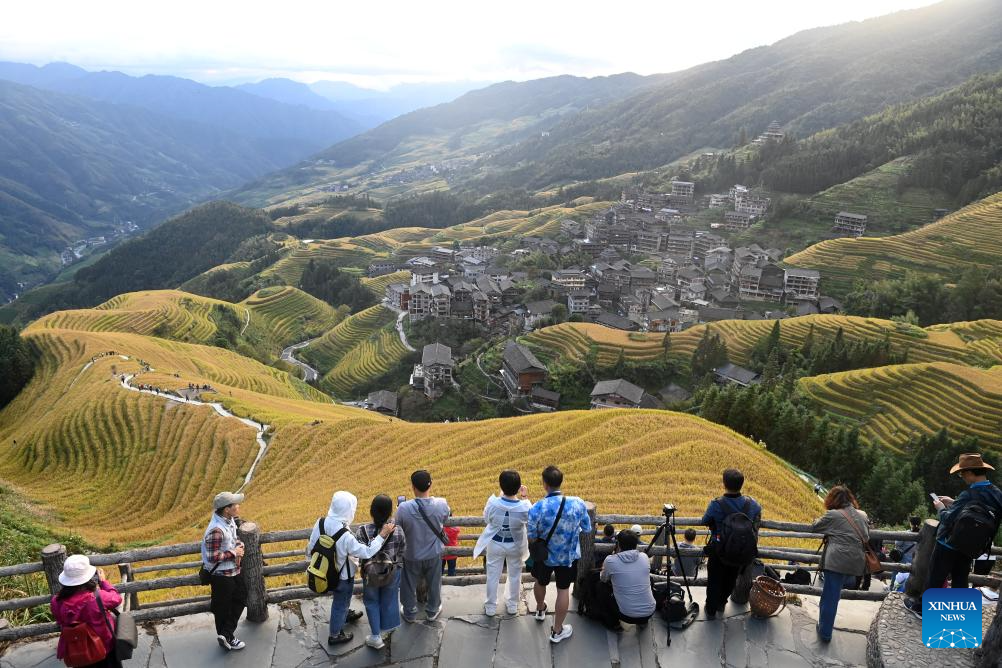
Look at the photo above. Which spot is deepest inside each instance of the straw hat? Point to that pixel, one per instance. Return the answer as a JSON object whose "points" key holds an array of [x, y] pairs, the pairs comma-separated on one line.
{"points": [[970, 460], [76, 571]]}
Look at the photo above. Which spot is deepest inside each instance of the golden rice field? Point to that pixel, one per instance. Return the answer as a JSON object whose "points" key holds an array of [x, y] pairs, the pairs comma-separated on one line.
{"points": [[977, 342], [291, 315], [378, 284], [291, 267], [971, 236], [362, 347], [94, 453], [168, 313], [893, 403]]}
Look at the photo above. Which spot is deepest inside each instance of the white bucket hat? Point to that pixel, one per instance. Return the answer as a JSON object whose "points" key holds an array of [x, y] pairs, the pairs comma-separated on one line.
{"points": [[76, 571]]}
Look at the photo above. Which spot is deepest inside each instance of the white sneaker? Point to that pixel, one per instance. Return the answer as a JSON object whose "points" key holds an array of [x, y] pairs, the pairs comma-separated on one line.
{"points": [[565, 633], [375, 642], [433, 617], [512, 608], [237, 644], [540, 614], [490, 610]]}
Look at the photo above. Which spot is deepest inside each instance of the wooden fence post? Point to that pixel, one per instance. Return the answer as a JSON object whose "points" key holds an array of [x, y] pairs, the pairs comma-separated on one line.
{"points": [[127, 575], [922, 559], [251, 565], [53, 558], [587, 561]]}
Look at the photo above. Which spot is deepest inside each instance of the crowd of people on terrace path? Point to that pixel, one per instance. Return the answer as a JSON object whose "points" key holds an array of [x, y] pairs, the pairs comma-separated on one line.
{"points": [[401, 562]]}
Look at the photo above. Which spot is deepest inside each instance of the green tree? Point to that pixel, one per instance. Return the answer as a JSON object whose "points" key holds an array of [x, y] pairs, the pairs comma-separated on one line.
{"points": [[17, 364]]}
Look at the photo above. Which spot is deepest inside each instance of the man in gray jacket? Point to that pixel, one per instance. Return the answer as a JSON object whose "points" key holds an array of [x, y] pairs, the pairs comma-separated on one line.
{"points": [[630, 574], [422, 520]]}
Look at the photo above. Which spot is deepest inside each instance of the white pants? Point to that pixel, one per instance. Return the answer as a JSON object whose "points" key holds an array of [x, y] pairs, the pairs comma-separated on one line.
{"points": [[497, 555]]}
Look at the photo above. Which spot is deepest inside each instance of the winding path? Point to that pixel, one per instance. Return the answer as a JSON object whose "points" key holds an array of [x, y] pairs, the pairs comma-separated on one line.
{"points": [[310, 375], [403, 336]]}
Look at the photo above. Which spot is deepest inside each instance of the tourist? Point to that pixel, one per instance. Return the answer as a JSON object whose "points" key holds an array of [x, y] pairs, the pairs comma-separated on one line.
{"points": [[906, 548], [347, 550], [629, 571], [688, 558], [608, 538], [846, 531], [947, 560], [382, 601], [558, 521], [449, 560], [422, 519], [722, 570], [221, 555], [77, 603], [504, 540]]}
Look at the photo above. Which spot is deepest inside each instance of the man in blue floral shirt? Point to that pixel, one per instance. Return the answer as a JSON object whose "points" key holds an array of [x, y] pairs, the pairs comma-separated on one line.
{"points": [[564, 547]]}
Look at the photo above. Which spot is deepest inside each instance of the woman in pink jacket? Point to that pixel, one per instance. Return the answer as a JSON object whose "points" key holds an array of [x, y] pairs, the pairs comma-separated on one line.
{"points": [[77, 603]]}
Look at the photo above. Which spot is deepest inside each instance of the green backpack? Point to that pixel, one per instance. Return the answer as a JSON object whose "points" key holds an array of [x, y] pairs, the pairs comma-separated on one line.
{"points": [[323, 561]]}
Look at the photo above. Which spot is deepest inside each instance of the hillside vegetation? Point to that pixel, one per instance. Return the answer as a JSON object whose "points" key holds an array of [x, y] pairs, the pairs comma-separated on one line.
{"points": [[966, 238], [290, 315], [894, 404]]}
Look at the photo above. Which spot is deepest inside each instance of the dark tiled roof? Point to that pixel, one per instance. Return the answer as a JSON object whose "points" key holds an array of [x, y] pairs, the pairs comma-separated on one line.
{"points": [[520, 358], [736, 373], [623, 388], [436, 353]]}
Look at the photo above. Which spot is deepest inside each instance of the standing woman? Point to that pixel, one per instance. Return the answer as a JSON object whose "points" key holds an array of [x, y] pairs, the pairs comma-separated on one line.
{"points": [[382, 601], [76, 603], [846, 531]]}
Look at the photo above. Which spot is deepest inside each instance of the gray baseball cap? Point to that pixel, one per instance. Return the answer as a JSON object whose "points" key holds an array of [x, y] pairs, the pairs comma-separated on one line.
{"points": [[224, 499]]}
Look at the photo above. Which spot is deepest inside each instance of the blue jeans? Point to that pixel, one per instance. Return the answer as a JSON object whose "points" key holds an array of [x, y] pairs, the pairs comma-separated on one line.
{"points": [[340, 602], [382, 606], [829, 602]]}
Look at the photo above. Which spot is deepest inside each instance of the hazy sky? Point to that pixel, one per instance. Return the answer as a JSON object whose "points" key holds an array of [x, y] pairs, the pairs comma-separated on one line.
{"points": [[378, 44]]}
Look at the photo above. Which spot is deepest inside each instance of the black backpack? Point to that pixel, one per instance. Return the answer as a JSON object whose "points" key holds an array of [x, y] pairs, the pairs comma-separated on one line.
{"points": [[973, 530], [738, 540]]}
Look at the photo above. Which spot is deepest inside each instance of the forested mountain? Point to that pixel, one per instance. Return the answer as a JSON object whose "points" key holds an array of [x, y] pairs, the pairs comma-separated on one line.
{"points": [[810, 81]]}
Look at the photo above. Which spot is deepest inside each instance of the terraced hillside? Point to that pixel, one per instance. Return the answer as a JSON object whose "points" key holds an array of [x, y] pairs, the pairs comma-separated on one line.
{"points": [[893, 403], [378, 284], [86, 447], [291, 315], [342, 251], [362, 347], [971, 236], [165, 313], [972, 343]]}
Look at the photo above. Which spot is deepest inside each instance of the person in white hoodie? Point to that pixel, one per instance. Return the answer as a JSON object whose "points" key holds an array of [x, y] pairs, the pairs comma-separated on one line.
{"points": [[348, 550], [505, 540]]}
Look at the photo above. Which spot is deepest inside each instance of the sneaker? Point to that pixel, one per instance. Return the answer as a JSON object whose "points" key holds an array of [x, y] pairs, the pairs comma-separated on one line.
{"points": [[353, 616], [913, 606], [340, 638], [432, 616], [490, 610], [375, 642], [236, 644], [512, 608], [540, 614], [407, 618], [223, 642], [565, 633]]}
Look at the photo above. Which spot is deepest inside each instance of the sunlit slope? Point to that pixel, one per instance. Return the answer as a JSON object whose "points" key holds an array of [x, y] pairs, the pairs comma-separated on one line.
{"points": [[969, 237], [291, 315], [977, 342], [165, 313], [625, 461], [894, 403], [362, 347], [378, 284], [116, 465]]}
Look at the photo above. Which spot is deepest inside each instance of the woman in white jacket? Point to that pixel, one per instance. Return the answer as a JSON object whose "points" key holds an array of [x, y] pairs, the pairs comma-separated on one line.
{"points": [[348, 551], [505, 540]]}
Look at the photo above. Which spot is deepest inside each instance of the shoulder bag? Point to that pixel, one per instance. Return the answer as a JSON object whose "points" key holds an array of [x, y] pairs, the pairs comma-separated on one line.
{"points": [[435, 530], [872, 560], [539, 549], [124, 635]]}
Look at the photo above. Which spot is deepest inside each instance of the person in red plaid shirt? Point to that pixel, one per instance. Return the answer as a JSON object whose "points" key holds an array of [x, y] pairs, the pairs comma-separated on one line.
{"points": [[221, 555]]}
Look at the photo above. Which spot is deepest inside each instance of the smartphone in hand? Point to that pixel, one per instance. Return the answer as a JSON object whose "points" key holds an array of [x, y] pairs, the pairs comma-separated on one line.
{"points": [[934, 496]]}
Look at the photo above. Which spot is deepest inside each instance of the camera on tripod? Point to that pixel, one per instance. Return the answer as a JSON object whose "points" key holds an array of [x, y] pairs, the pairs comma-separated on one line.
{"points": [[668, 509]]}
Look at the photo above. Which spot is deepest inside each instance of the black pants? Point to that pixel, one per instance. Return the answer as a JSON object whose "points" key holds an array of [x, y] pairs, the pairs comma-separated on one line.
{"points": [[229, 596], [947, 562], [720, 579]]}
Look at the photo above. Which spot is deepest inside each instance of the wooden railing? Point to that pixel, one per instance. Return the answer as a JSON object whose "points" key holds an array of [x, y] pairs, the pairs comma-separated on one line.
{"points": [[256, 566]]}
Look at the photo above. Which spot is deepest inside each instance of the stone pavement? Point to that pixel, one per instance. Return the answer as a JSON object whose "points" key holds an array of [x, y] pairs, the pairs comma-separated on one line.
{"points": [[295, 637], [896, 639]]}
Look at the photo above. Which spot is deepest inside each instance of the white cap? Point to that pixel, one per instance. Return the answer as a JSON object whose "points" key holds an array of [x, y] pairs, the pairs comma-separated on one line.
{"points": [[76, 571], [637, 529], [224, 499]]}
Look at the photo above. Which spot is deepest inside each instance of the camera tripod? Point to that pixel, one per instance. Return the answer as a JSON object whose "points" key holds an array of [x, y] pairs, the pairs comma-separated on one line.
{"points": [[668, 527]]}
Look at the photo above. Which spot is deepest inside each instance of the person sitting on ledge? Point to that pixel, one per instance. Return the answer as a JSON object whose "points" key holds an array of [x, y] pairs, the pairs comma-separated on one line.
{"points": [[629, 571]]}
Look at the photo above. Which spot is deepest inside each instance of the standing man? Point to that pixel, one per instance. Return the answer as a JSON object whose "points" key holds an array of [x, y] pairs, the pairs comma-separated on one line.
{"points": [[559, 520], [733, 522], [221, 555], [962, 535], [422, 519]]}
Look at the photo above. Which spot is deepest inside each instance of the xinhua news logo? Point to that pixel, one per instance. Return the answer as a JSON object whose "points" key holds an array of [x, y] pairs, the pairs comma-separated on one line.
{"points": [[951, 618]]}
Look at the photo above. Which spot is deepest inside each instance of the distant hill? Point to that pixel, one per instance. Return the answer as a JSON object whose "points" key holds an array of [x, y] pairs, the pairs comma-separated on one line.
{"points": [[288, 92]]}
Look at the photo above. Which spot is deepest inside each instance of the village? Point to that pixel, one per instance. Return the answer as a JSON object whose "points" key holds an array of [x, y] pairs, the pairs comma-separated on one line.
{"points": [[641, 265]]}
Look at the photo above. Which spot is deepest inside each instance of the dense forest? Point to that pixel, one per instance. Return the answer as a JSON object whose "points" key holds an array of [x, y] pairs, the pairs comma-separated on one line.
{"points": [[325, 281], [17, 364]]}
